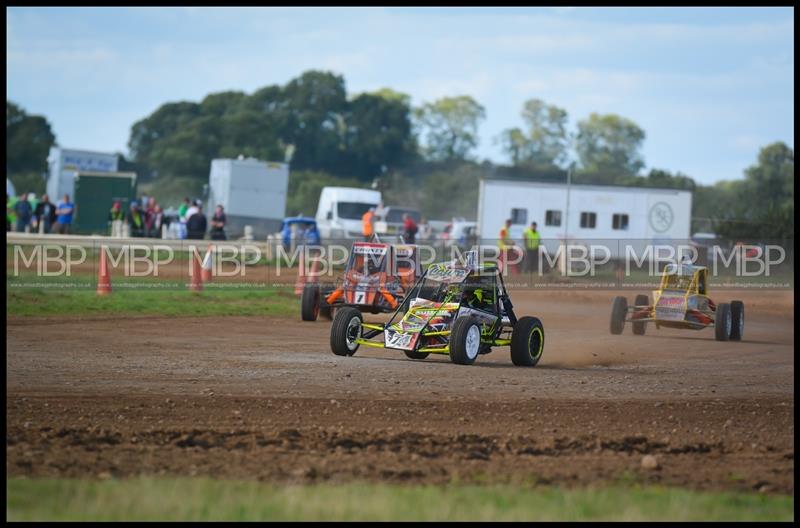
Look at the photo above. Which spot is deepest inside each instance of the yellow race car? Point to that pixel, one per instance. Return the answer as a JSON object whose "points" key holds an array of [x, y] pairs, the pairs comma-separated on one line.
{"points": [[681, 301], [458, 310]]}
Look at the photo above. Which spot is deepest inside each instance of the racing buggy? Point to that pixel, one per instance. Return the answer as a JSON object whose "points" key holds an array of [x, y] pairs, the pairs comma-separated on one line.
{"points": [[375, 280], [460, 311], [681, 301]]}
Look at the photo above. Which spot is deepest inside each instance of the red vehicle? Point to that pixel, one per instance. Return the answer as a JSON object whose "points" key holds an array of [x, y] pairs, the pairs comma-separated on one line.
{"points": [[375, 280]]}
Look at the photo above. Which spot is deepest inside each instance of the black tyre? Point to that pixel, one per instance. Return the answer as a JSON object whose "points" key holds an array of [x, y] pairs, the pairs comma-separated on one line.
{"points": [[326, 312], [527, 342], [416, 355], [723, 322], [619, 310], [465, 341], [345, 329], [640, 327], [737, 320], [309, 302]]}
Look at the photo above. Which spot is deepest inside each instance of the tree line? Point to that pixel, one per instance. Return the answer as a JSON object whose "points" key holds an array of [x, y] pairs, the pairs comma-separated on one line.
{"points": [[421, 155]]}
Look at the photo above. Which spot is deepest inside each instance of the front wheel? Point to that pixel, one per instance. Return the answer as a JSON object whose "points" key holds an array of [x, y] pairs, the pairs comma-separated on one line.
{"points": [[723, 322], [345, 331], [639, 327], [619, 309], [309, 302], [465, 341], [527, 342], [737, 320]]}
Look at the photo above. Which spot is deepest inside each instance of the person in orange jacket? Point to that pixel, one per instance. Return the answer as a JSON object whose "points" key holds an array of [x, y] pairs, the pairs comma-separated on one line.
{"points": [[367, 224]]}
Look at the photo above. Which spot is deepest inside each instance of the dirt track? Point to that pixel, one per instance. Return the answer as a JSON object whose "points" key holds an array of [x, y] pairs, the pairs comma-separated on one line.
{"points": [[265, 398]]}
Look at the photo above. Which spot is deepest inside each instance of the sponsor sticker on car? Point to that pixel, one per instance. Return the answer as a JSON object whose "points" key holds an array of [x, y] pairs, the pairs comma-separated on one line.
{"points": [[671, 308]]}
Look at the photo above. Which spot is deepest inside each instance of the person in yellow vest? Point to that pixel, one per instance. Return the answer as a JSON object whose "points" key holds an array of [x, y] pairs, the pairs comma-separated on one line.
{"points": [[506, 245], [532, 238], [367, 224], [504, 241]]}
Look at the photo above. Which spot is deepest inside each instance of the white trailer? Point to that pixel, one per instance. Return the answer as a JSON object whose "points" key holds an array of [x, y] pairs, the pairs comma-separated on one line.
{"points": [[65, 164], [253, 192], [580, 214]]}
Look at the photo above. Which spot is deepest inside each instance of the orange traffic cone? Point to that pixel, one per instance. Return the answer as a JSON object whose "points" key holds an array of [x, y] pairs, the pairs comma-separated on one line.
{"points": [[196, 283], [301, 276], [208, 265], [103, 276]]}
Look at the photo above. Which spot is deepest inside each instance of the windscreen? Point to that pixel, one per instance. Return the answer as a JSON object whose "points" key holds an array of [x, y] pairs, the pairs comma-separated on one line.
{"points": [[353, 210], [679, 282]]}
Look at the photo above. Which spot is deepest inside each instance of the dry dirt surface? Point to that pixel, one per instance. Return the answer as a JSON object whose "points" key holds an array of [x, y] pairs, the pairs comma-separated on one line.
{"points": [[264, 398]]}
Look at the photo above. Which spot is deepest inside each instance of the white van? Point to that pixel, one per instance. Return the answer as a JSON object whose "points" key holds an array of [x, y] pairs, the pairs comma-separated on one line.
{"points": [[340, 210]]}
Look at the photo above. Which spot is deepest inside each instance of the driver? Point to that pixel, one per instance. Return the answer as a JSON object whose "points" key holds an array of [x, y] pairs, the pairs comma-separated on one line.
{"points": [[474, 298]]}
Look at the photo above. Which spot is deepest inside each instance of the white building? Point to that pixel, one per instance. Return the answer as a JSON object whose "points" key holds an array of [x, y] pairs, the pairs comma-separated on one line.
{"points": [[64, 165], [585, 212], [253, 192]]}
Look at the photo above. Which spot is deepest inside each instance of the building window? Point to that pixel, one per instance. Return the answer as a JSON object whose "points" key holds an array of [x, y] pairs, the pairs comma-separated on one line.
{"points": [[588, 220], [620, 221], [519, 216], [552, 218]]}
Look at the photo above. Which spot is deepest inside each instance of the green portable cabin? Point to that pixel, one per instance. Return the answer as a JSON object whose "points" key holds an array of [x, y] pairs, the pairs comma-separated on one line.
{"points": [[95, 193]]}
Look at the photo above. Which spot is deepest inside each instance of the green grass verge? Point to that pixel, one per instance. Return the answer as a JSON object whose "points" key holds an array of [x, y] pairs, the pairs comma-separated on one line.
{"points": [[162, 298], [206, 499]]}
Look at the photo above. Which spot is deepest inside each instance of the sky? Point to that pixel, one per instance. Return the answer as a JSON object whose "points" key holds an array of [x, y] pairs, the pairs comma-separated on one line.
{"points": [[709, 86]]}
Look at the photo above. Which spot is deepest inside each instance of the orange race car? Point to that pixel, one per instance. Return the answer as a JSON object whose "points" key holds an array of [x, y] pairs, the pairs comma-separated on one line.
{"points": [[375, 280]]}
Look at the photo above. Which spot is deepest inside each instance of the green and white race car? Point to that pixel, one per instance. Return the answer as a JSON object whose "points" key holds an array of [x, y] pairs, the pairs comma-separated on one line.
{"points": [[459, 310]]}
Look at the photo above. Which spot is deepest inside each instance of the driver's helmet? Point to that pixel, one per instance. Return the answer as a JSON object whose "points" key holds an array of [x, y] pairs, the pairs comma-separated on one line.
{"points": [[474, 296]]}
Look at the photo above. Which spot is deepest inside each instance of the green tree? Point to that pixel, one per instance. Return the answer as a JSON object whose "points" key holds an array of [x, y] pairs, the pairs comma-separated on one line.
{"points": [[28, 142], [451, 126], [762, 205], [609, 146], [515, 145], [311, 116], [379, 135], [547, 132]]}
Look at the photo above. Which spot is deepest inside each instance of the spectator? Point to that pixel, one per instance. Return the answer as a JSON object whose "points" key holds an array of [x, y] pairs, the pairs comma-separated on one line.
{"points": [[24, 213], [156, 219], [145, 202], [218, 222], [425, 230], [11, 216], [196, 225], [116, 217], [149, 216], [380, 213], [135, 220], [192, 209], [182, 210], [409, 229], [64, 215], [45, 214]]}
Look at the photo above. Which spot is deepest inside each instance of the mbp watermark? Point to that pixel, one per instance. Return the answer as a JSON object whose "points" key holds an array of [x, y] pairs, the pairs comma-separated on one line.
{"points": [[551, 263]]}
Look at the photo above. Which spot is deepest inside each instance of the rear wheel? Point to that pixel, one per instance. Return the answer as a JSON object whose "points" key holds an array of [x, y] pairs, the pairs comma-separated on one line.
{"points": [[465, 341], [527, 342], [309, 302], [723, 322], [737, 320], [640, 327], [326, 312], [619, 309], [345, 330]]}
